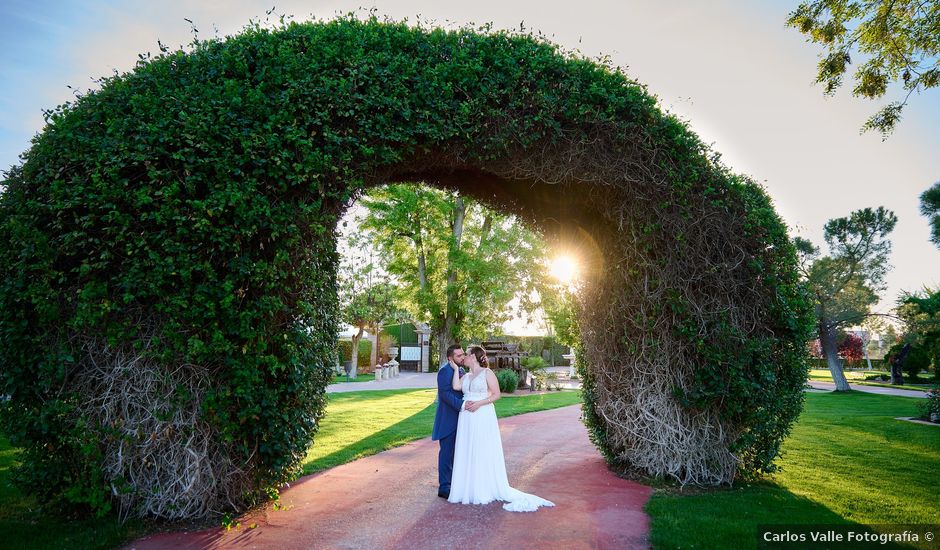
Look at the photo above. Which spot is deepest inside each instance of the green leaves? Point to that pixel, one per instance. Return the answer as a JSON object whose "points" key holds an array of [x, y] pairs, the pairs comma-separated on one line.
{"points": [[195, 199], [899, 39], [930, 207]]}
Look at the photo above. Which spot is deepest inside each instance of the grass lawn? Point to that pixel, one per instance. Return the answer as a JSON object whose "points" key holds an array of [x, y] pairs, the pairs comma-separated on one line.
{"points": [[847, 461], [923, 383], [24, 527], [357, 424], [363, 423], [340, 379]]}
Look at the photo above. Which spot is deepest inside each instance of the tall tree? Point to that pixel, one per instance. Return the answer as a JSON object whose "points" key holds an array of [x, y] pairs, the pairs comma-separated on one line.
{"points": [[899, 40], [930, 207], [845, 284], [368, 308], [367, 296], [459, 264]]}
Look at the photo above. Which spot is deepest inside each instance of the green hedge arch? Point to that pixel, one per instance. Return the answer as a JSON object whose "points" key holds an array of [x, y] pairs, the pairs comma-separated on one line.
{"points": [[167, 248]]}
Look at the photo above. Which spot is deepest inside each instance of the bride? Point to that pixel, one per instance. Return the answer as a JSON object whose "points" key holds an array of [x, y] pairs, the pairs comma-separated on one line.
{"points": [[479, 468]]}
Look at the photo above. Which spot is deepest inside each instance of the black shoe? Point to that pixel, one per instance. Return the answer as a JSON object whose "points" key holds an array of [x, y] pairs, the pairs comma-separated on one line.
{"points": [[442, 494]]}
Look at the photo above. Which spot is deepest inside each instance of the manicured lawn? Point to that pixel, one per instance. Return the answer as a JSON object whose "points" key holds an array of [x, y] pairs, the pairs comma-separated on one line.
{"points": [[363, 423], [922, 383], [356, 424], [846, 461], [339, 379]]}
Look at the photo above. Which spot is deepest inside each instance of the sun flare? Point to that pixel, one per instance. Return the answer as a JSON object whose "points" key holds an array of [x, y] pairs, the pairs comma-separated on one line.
{"points": [[564, 268]]}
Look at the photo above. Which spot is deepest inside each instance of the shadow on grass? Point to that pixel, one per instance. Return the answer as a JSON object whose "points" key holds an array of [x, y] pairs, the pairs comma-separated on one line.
{"points": [[731, 518], [25, 525]]}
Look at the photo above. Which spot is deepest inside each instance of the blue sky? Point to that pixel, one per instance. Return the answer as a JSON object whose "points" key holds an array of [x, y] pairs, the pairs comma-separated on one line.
{"points": [[730, 68]]}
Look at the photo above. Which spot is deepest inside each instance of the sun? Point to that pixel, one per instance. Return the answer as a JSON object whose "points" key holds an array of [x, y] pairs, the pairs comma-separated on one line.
{"points": [[564, 268]]}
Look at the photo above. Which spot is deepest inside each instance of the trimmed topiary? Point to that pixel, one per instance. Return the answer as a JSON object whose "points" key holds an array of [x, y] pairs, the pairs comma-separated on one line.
{"points": [[168, 257]]}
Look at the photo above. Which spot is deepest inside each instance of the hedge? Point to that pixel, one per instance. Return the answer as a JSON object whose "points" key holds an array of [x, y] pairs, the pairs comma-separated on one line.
{"points": [[168, 257]]}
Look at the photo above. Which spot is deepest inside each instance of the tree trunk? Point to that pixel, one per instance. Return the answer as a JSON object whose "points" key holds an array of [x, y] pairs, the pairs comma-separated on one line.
{"points": [[355, 353], [374, 356], [827, 340], [444, 340], [448, 328], [485, 232]]}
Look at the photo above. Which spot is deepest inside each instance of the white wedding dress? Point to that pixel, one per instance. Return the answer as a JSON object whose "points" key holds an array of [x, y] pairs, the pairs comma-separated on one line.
{"points": [[479, 467]]}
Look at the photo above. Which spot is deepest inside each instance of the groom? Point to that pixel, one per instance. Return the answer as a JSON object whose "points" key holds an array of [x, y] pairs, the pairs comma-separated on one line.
{"points": [[449, 403]]}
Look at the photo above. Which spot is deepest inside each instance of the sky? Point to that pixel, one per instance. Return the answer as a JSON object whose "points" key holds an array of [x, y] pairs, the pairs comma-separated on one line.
{"points": [[729, 68]]}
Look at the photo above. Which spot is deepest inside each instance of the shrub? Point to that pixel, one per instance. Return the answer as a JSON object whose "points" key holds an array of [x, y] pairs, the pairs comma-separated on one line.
{"points": [[931, 405], [534, 363], [508, 380], [915, 362], [178, 227]]}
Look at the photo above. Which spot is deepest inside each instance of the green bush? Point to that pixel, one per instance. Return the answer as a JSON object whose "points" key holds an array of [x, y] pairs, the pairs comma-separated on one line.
{"points": [[508, 380], [916, 361], [178, 227], [931, 405]]}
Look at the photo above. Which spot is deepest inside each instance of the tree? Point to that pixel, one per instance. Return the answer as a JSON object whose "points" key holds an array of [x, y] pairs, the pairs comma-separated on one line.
{"points": [[921, 313], [459, 264], [368, 308], [845, 284], [899, 40], [367, 296], [930, 207], [851, 347]]}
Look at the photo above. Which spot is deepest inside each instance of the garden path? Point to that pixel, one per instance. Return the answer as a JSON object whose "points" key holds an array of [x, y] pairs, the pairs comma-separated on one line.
{"points": [[389, 500]]}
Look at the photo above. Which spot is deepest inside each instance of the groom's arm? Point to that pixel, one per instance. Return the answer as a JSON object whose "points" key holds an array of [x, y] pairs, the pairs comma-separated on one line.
{"points": [[446, 393]]}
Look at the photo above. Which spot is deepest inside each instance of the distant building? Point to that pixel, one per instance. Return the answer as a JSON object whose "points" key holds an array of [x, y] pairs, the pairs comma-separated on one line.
{"points": [[414, 344]]}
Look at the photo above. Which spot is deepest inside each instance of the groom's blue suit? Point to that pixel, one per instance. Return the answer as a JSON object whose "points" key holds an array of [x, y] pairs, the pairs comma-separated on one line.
{"points": [[449, 403]]}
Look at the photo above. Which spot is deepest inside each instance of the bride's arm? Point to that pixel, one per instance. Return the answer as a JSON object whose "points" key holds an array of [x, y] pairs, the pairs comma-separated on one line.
{"points": [[492, 385]]}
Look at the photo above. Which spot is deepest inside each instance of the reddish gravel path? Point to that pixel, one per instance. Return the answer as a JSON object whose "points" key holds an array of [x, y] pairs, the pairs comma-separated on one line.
{"points": [[390, 500]]}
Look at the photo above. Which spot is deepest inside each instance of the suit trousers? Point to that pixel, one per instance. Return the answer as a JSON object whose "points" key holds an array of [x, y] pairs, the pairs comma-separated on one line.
{"points": [[445, 462]]}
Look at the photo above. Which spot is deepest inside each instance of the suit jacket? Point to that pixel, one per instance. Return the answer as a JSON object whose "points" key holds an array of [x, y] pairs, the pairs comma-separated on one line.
{"points": [[449, 403]]}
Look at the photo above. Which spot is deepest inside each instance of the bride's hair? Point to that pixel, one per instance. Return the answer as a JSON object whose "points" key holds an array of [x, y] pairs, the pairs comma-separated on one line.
{"points": [[480, 354]]}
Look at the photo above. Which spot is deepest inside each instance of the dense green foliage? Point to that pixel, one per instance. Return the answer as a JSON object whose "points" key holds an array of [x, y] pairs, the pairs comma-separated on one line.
{"points": [[508, 380], [921, 314], [178, 227], [458, 263], [899, 41], [930, 207]]}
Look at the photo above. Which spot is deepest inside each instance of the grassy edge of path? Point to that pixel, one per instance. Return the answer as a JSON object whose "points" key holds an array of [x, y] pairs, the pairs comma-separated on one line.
{"points": [[357, 424]]}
